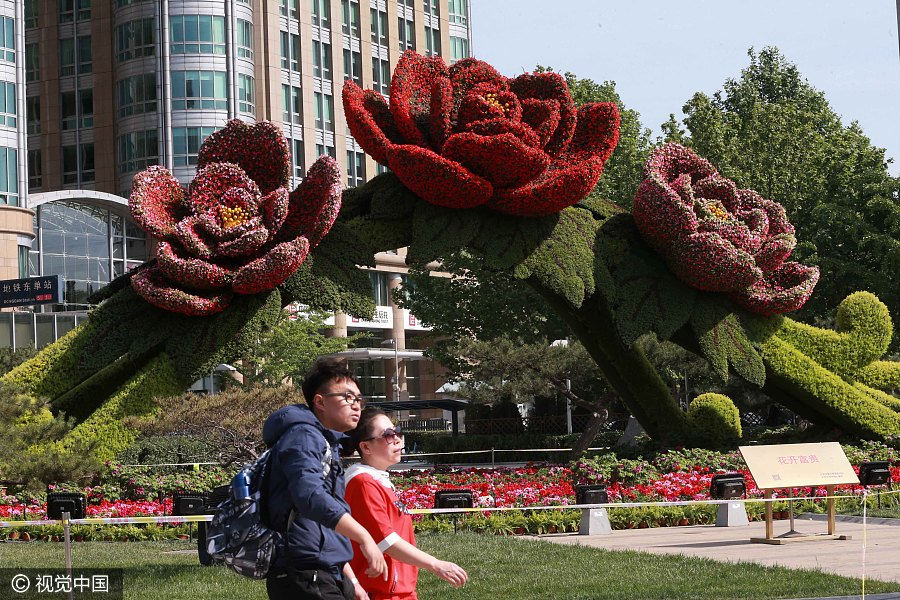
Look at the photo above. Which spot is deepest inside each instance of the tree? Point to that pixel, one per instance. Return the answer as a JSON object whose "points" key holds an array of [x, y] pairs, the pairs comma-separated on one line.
{"points": [[770, 130], [29, 456], [228, 426], [289, 349], [504, 370], [10, 359]]}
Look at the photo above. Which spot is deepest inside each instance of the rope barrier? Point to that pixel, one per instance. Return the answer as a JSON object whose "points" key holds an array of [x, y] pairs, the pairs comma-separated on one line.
{"points": [[439, 511]]}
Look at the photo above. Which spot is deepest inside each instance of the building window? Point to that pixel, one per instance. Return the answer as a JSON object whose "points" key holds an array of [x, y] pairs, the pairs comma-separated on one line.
{"points": [[431, 7], [322, 150], [245, 93], [7, 104], [432, 41], [380, 291], [34, 170], [379, 26], [356, 168], [75, 162], [31, 14], [136, 39], [32, 62], [290, 51], [297, 160], [85, 55], [197, 34], [353, 66], [66, 57], [457, 12], [406, 31], [75, 241], [199, 89], [380, 168], [8, 43], [459, 49], [186, 143], [324, 111], [381, 75], [321, 13], [9, 177], [321, 59], [350, 18], [137, 95], [67, 10], [138, 150], [33, 114], [294, 8], [70, 112], [245, 39], [291, 104]]}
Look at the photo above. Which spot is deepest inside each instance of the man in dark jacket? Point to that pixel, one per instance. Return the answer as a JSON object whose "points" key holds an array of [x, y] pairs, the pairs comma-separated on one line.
{"points": [[306, 481]]}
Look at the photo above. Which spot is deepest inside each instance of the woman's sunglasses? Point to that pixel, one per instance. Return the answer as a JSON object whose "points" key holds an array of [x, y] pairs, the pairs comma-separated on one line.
{"points": [[389, 435]]}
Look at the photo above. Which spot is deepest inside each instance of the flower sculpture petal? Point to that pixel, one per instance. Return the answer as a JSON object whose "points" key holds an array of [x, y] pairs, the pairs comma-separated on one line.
{"points": [[237, 229], [466, 136], [717, 237]]}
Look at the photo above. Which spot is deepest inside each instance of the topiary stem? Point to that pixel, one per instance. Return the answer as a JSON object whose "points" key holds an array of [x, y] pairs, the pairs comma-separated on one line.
{"points": [[626, 368]]}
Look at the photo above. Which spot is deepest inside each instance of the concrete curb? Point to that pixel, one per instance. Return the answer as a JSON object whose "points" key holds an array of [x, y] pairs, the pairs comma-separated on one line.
{"points": [[852, 519]]}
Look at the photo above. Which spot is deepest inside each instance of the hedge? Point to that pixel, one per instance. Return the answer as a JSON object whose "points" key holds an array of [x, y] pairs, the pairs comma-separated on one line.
{"points": [[716, 419]]}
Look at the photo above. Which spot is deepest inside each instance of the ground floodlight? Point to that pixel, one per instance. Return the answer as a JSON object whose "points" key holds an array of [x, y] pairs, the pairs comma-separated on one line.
{"points": [[876, 472], [184, 505], [591, 494], [73, 503], [727, 486], [454, 499]]}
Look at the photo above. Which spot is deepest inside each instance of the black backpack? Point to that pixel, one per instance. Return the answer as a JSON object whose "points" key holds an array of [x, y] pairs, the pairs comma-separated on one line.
{"points": [[239, 534]]}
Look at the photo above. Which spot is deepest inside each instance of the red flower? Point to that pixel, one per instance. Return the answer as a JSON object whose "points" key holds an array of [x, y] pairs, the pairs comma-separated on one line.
{"points": [[717, 237], [237, 229], [466, 136]]}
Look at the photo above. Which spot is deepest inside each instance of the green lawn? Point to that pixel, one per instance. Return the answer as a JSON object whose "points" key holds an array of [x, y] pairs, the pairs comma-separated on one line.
{"points": [[499, 568]]}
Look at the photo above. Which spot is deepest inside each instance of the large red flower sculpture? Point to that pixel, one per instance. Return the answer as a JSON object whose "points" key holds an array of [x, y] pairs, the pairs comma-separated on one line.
{"points": [[466, 136], [717, 237], [236, 229]]}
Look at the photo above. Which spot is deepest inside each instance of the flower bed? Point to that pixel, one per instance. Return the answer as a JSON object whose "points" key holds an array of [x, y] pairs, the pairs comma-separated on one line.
{"points": [[672, 476]]}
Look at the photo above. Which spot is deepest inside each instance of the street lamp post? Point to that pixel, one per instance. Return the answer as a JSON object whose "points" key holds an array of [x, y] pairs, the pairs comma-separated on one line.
{"points": [[393, 343]]}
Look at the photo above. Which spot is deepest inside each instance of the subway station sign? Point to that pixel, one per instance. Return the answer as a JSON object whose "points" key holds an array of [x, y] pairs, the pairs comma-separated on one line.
{"points": [[47, 289]]}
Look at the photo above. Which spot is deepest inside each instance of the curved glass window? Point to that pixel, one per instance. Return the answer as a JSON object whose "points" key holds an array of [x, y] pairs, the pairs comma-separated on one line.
{"points": [[137, 95], [199, 89], [197, 34], [136, 39], [87, 245]]}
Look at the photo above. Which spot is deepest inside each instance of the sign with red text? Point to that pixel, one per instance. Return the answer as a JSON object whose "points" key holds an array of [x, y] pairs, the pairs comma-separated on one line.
{"points": [[798, 465]]}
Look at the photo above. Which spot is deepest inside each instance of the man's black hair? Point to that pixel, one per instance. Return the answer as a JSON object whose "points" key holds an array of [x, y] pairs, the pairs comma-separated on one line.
{"points": [[323, 371]]}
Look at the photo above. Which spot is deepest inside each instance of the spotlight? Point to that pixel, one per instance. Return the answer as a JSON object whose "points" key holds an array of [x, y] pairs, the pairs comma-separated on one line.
{"points": [[591, 494], [727, 486], [70, 502], [875, 472], [184, 505], [454, 499]]}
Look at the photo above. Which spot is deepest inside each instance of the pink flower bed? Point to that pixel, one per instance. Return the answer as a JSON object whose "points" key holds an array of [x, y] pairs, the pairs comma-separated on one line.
{"points": [[501, 487]]}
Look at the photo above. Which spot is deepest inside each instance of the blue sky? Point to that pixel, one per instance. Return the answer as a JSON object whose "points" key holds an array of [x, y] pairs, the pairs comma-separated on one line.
{"points": [[660, 52]]}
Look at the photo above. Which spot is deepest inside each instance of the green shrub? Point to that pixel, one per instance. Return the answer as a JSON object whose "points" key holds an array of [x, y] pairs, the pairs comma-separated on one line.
{"points": [[716, 419]]}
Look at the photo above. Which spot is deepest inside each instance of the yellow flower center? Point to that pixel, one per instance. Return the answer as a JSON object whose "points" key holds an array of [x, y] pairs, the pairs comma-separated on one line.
{"points": [[717, 210], [232, 216], [494, 100]]}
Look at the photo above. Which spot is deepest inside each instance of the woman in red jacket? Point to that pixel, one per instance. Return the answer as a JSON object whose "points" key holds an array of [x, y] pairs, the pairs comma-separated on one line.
{"points": [[375, 504]]}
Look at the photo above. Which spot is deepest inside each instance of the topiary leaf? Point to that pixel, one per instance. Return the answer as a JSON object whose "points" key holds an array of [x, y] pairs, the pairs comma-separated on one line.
{"points": [[723, 341], [391, 199], [649, 298], [505, 241], [439, 231], [564, 261]]}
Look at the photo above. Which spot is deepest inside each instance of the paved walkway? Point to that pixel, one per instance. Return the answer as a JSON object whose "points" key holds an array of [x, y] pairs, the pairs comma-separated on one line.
{"points": [[732, 544]]}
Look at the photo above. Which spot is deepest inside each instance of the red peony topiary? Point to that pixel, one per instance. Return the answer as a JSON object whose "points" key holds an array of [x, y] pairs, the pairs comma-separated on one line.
{"points": [[717, 237], [236, 229], [466, 136]]}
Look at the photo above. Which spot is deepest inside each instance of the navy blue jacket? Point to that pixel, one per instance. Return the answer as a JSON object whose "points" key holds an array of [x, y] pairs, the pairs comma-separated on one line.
{"points": [[296, 481]]}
